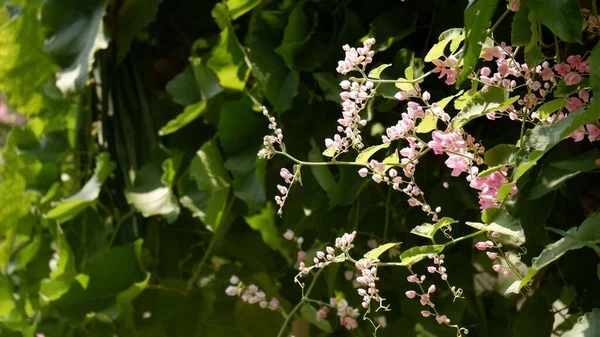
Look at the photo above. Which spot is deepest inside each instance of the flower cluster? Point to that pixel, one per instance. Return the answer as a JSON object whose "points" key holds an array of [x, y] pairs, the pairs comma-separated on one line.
{"points": [[590, 23], [368, 278], [499, 256], [448, 68], [346, 313], [289, 179], [461, 148], [489, 187], [250, 294], [269, 141], [354, 97], [323, 259]]}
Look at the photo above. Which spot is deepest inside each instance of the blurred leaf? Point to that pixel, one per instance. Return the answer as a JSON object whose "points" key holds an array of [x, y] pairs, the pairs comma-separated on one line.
{"points": [[134, 16], [376, 252], [542, 138], [322, 173], [365, 155], [195, 83], [264, 222], [150, 196], [309, 313], [503, 154], [478, 16], [24, 67], [533, 52], [15, 201], [564, 90], [392, 25], [7, 303], [582, 162], [280, 85], [520, 29], [64, 271], [75, 35], [494, 99], [238, 8], [595, 69], [96, 290], [428, 230], [227, 59], [535, 318], [68, 208], [586, 326], [562, 17], [548, 180], [330, 85], [189, 114], [416, 254]]}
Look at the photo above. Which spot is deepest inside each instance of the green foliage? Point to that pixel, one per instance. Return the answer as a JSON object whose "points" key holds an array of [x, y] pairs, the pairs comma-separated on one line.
{"points": [[562, 17], [482, 103]]}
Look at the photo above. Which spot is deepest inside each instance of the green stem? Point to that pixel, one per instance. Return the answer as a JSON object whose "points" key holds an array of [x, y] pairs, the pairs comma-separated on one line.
{"points": [[118, 227], [387, 214], [356, 79], [328, 163], [464, 238], [499, 20], [209, 249], [297, 307]]}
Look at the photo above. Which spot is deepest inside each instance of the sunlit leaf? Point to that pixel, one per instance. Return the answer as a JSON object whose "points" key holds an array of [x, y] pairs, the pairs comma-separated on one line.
{"points": [[376, 252], [365, 155], [494, 99], [416, 254], [563, 17]]}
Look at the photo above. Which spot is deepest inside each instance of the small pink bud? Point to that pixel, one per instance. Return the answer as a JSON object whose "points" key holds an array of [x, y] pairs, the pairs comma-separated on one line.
{"points": [[288, 235], [234, 279], [506, 273], [362, 292], [426, 96], [425, 313], [497, 267], [411, 294], [496, 234], [393, 173], [320, 255], [363, 172], [492, 255], [377, 178], [431, 269], [431, 289], [481, 245]]}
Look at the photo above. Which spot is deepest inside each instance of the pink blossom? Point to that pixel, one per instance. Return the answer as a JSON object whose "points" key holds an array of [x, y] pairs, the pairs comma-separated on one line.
{"points": [[497, 267], [562, 68], [492, 255], [425, 313], [578, 134], [572, 78], [363, 172], [411, 294], [514, 5], [594, 132]]}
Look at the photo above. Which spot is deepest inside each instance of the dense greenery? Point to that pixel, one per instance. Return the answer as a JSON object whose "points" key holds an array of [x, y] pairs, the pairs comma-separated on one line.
{"points": [[131, 191]]}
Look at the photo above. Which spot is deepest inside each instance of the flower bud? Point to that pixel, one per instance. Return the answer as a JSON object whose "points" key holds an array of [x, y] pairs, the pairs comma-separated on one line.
{"points": [[492, 255], [411, 294]]}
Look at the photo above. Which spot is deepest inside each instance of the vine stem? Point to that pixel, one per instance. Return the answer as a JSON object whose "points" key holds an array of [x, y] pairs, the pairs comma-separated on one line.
{"points": [[297, 307], [374, 80], [327, 163], [499, 20], [209, 249]]}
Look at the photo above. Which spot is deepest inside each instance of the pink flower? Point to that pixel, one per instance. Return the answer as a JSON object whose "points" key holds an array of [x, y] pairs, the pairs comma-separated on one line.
{"points": [[288, 235], [363, 172], [322, 313], [514, 5], [572, 78], [497, 267], [492, 255], [562, 68], [481, 245], [594, 132], [578, 134], [425, 313], [411, 294]]}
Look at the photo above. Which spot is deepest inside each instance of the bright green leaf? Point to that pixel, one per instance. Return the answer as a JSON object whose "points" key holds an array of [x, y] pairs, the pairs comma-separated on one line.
{"points": [[427, 124], [494, 99], [416, 254], [376, 73], [365, 155], [550, 107], [238, 8], [428, 230], [376, 252], [60, 277], [503, 154], [68, 208], [264, 222], [500, 221], [478, 16]]}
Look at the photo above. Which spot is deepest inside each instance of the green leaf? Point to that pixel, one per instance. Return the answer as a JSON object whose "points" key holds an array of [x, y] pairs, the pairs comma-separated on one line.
{"points": [[416, 254], [562, 17], [588, 232], [582, 162], [376, 252], [310, 314], [564, 90], [237, 8], [24, 67], [298, 38], [503, 154], [542, 138], [238, 127], [97, 290], [280, 85], [68, 208], [533, 51], [330, 85], [133, 18], [322, 173], [365, 155], [466, 97], [7, 303], [16, 202], [150, 195], [548, 180], [494, 99], [74, 36], [427, 124], [60, 278], [498, 220], [264, 222], [550, 107], [428, 230], [195, 83], [436, 51], [376, 73], [478, 16], [520, 28], [595, 69], [189, 114], [228, 59], [391, 159], [535, 319], [586, 326]]}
